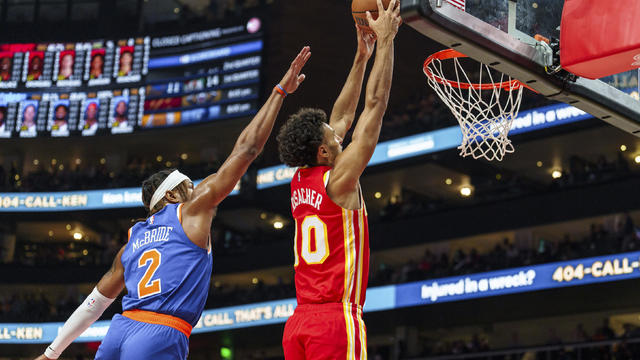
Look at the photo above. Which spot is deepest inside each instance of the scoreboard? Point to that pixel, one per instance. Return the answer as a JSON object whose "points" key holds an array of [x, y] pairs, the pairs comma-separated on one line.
{"points": [[73, 65], [61, 114], [115, 86]]}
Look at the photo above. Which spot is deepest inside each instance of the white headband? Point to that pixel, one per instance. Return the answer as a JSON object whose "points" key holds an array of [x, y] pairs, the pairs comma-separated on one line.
{"points": [[174, 179]]}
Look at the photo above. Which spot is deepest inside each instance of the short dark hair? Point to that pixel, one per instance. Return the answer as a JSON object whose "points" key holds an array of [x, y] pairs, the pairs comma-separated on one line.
{"points": [[150, 185], [300, 137]]}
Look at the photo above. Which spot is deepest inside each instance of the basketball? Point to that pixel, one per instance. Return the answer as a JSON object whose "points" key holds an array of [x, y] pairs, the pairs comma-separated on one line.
{"points": [[359, 10]]}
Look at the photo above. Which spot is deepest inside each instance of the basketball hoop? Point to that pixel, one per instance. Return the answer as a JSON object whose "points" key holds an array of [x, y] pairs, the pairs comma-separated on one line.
{"points": [[485, 109]]}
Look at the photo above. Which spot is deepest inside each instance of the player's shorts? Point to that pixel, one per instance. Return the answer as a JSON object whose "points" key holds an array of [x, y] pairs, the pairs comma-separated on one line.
{"points": [[129, 339], [325, 331]]}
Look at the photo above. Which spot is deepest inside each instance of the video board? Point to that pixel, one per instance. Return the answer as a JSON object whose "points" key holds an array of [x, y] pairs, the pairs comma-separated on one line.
{"points": [[103, 87]]}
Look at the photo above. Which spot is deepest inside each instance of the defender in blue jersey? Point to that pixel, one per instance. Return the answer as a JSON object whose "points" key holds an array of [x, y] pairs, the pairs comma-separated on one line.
{"points": [[166, 264]]}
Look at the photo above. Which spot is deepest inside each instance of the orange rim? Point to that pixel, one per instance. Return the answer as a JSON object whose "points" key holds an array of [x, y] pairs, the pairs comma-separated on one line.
{"points": [[452, 54]]}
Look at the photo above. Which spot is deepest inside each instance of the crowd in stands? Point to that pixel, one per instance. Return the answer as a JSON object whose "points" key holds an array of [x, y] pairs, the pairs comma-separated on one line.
{"points": [[580, 172], [65, 177], [556, 346], [34, 308], [477, 343], [424, 112], [59, 176], [409, 205], [600, 241], [37, 307], [59, 253], [101, 250], [225, 295]]}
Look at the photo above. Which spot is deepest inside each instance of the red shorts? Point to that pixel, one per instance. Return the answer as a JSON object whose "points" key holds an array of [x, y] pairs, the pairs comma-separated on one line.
{"points": [[325, 331]]}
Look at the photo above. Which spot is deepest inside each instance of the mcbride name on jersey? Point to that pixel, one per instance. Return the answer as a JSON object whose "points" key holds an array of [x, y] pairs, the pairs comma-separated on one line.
{"points": [[156, 235], [331, 244], [164, 271]]}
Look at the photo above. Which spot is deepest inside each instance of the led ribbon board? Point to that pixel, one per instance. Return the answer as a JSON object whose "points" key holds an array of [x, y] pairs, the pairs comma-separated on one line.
{"points": [[77, 200], [495, 283], [439, 140], [519, 280], [388, 151]]}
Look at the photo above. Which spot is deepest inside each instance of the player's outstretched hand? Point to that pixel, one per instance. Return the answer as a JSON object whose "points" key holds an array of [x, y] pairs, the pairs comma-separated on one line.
{"points": [[292, 79], [42, 357], [366, 42], [388, 21]]}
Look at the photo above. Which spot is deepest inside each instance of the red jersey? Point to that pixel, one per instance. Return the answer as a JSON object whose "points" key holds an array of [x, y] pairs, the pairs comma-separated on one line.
{"points": [[331, 244]]}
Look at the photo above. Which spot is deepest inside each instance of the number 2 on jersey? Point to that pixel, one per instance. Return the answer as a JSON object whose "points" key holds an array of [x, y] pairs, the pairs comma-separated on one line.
{"points": [[146, 287], [320, 240]]}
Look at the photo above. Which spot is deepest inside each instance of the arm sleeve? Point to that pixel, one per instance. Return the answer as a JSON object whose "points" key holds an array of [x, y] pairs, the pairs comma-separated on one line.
{"points": [[86, 314]]}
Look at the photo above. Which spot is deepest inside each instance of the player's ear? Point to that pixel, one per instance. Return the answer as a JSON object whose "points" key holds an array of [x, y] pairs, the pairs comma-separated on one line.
{"points": [[172, 197], [323, 151]]}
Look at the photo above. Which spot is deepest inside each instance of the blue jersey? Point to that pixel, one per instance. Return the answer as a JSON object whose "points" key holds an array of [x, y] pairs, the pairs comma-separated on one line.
{"points": [[164, 271]]}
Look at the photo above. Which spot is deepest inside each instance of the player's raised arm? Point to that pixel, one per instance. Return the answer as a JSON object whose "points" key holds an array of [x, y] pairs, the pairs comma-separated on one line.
{"points": [[350, 164], [344, 109], [208, 194], [105, 292]]}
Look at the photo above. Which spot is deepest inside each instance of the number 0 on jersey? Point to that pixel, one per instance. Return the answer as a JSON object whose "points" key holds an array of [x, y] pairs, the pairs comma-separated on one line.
{"points": [[312, 227]]}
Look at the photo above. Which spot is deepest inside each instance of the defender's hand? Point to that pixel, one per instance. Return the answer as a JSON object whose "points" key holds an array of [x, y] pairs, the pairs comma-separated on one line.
{"points": [[292, 79], [42, 357], [366, 42], [388, 21]]}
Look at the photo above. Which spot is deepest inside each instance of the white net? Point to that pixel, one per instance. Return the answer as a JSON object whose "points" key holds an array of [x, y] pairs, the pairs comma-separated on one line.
{"points": [[484, 109]]}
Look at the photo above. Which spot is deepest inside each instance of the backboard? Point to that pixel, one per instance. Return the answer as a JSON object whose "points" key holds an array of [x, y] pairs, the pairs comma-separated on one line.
{"points": [[500, 33], [537, 17], [531, 17]]}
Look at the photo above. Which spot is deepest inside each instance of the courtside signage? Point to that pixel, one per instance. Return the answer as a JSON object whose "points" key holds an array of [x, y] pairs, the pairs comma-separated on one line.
{"points": [[511, 281]]}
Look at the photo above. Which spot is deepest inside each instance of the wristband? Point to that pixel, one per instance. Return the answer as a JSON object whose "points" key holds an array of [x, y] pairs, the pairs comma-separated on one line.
{"points": [[50, 353], [281, 90]]}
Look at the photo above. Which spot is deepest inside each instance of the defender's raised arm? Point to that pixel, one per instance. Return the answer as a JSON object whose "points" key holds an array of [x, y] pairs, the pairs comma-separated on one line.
{"points": [[252, 139], [208, 194]]}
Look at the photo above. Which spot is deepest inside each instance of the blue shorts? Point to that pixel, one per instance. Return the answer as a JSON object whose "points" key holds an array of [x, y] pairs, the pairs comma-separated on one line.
{"points": [[134, 340]]}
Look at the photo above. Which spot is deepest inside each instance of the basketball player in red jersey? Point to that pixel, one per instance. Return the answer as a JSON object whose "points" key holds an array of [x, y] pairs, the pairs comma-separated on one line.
{"points": [[331, 244]]}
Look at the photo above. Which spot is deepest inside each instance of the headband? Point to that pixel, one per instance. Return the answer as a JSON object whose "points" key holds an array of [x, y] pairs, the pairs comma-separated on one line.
{"points": [[174, 179]]}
